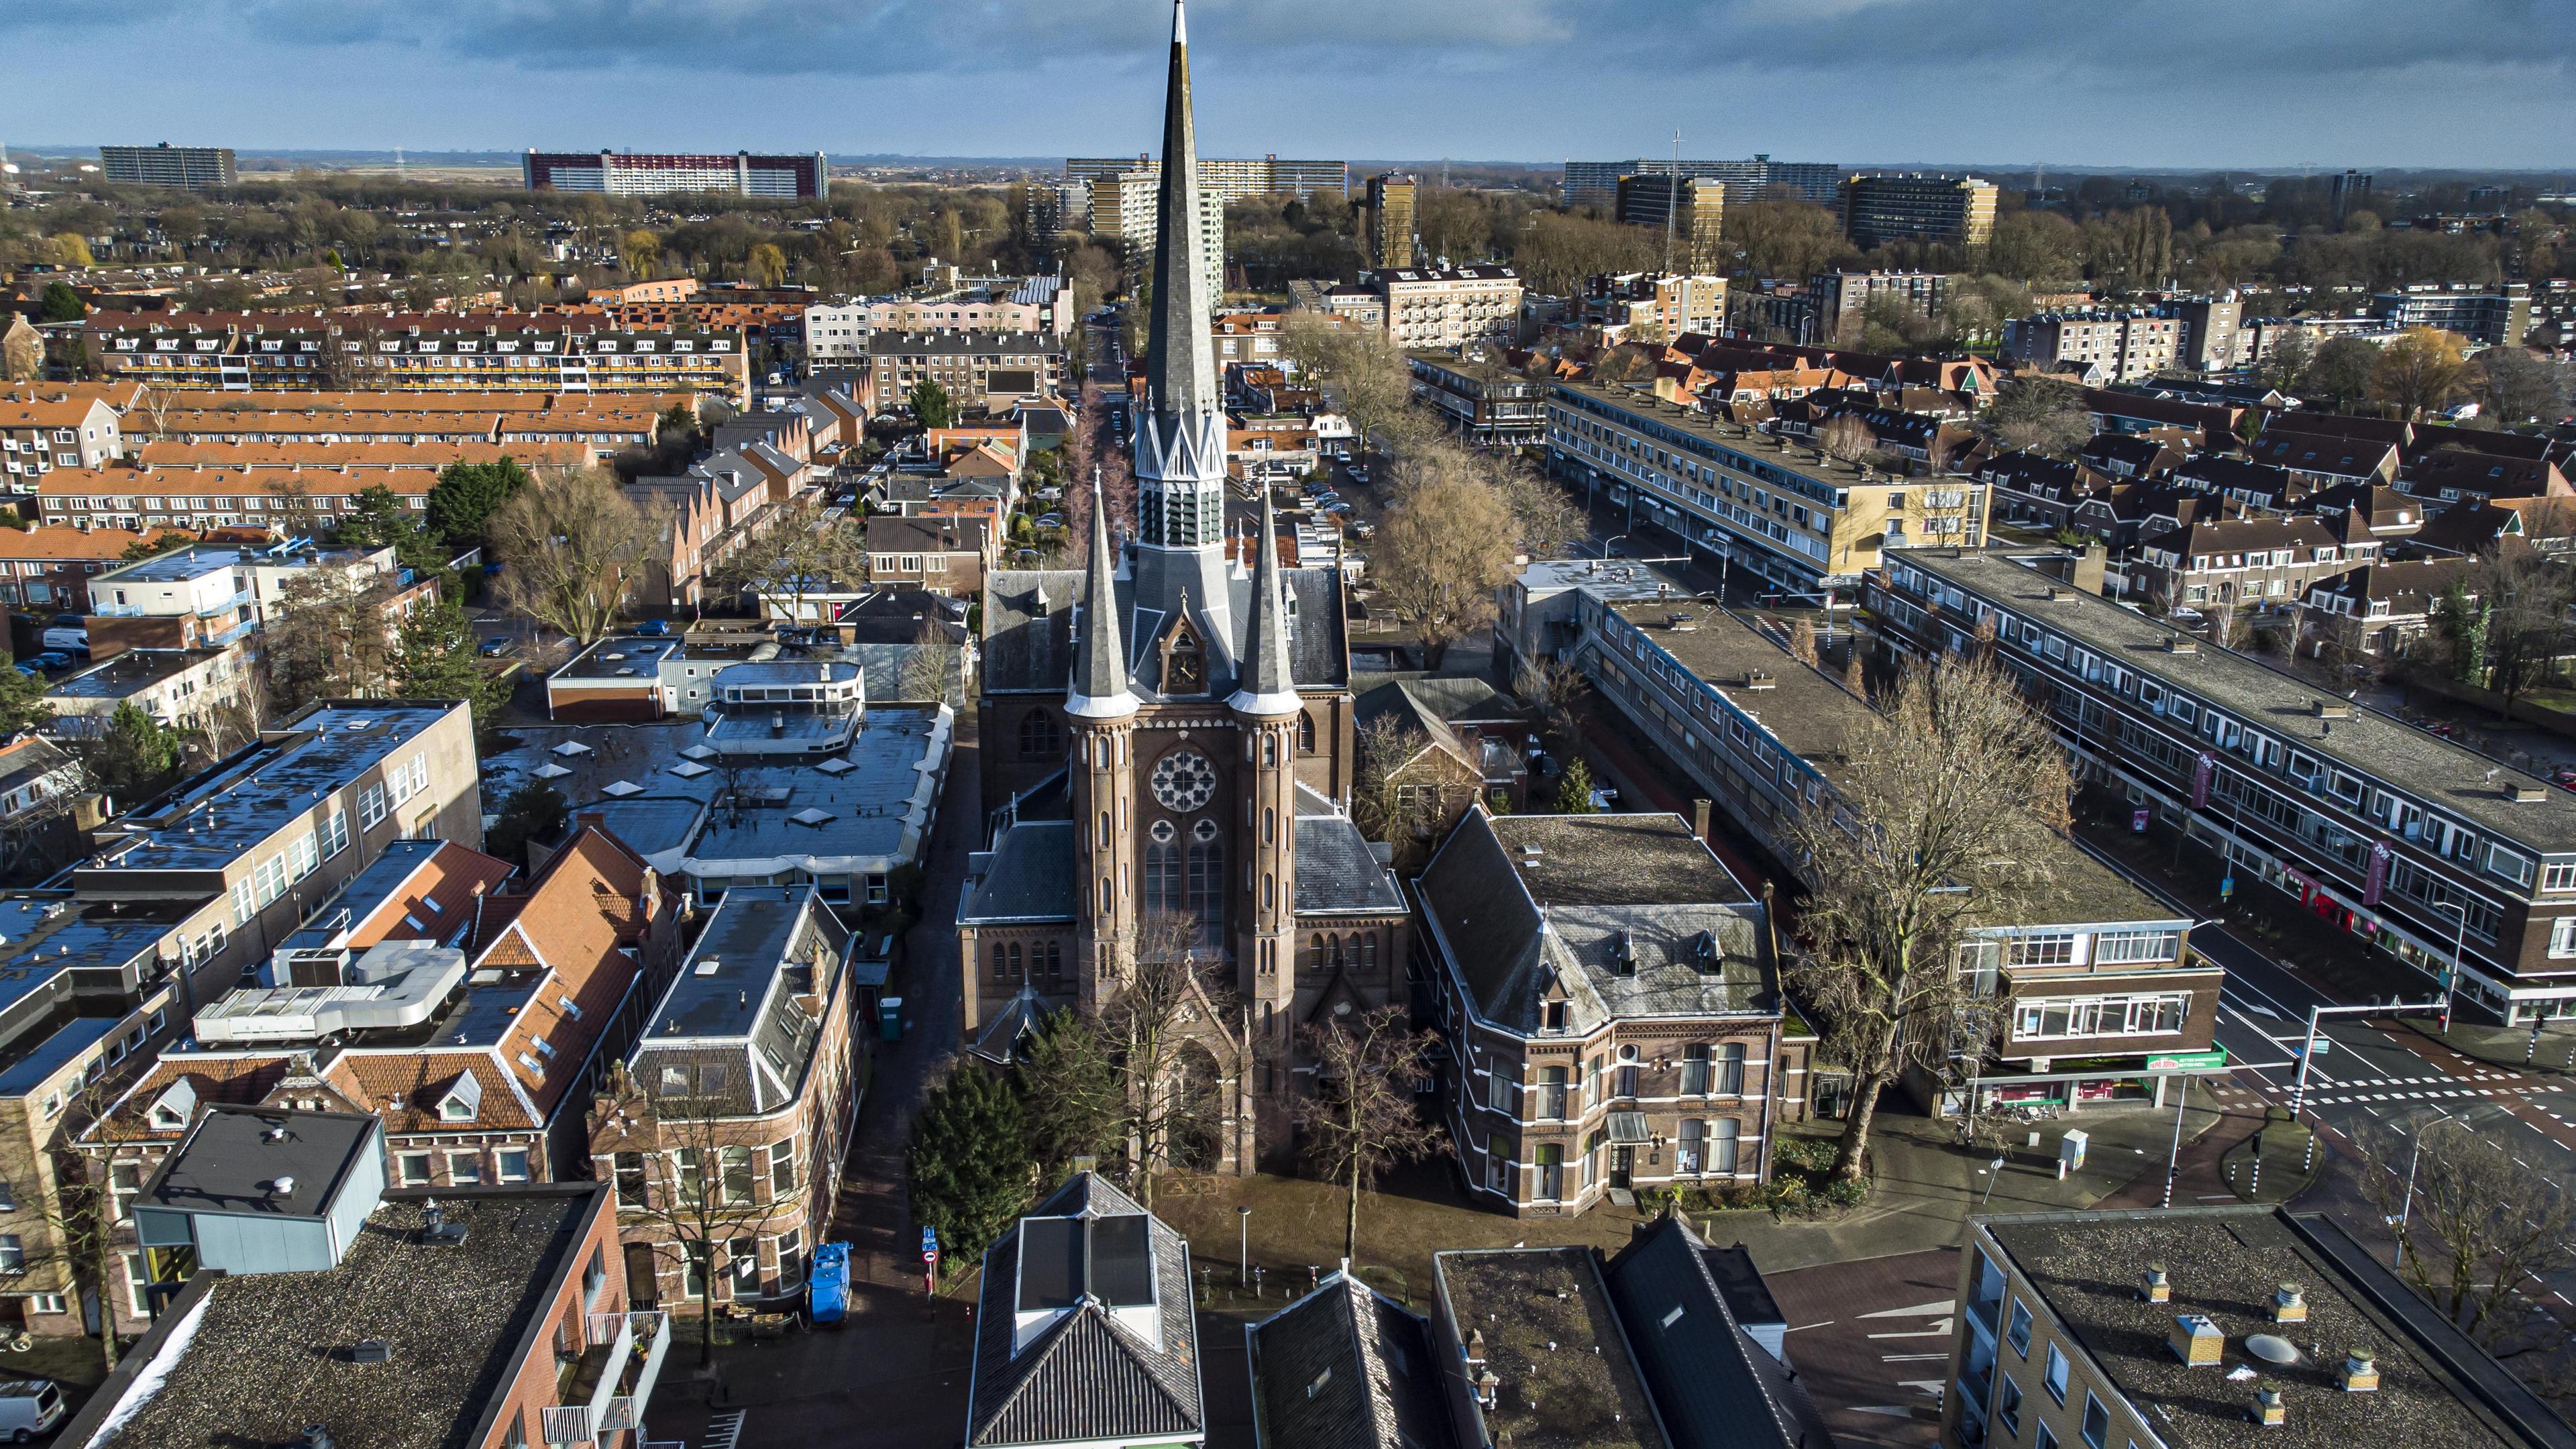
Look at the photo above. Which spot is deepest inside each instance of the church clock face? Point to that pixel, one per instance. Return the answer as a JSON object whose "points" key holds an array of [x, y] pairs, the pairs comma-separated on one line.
{"points": [[1183, 781]]}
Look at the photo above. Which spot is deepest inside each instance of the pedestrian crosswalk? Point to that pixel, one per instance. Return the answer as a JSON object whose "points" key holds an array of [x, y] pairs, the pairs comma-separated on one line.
{"points": [[2477, 1085]]}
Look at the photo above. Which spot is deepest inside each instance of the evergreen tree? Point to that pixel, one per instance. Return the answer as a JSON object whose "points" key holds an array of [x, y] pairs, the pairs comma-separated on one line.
{"points": [[22, 703], [384, 520], [466, 494], [534, 811], [133, 758], [968, 1162], [61, 304], [1069, 1089], [1574, 790], [435, 659], [931, 405]]}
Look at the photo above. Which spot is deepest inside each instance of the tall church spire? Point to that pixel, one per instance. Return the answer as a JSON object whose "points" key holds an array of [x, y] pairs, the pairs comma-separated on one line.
{"points": [[1267, 684], [1180, 445], [1100, 669]]}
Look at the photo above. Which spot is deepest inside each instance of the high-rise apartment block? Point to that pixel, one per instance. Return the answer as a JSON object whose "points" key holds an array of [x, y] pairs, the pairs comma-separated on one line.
{"points": [[1916, 207], [2349, 192], [1229, 179], [1122, 212], [1390, 205], [2126, 345], [2488, 316], [1837, 298], [626, 173], [1596, 183], [1690, 209], [167, 165]]}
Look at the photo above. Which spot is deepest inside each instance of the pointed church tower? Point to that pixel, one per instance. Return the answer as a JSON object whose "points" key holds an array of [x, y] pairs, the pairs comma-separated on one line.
{"points": [[1180, 440], [1100, 717], [1268, 713]]}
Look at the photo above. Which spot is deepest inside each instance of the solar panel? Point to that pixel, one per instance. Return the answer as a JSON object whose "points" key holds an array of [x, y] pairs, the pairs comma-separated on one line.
{"points": [[1122, 1261], [1050, 1264]]}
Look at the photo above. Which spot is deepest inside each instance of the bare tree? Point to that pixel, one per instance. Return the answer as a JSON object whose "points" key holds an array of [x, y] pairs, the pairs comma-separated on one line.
{"points": [[1368, 378], [1554, 686], [1387, 743], [1444, 548], [331, 635], [935, 669], [1847, 438], [694, 1182], [2524, 596], [2476, 1231], [1802, 642], [568, 541], [1360, 1120], [1169, 997], [1942, 826], [1544, 520], [795, 555]]}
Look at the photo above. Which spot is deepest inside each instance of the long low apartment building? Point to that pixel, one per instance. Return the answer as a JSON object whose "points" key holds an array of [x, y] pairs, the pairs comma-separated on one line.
{"points": [[2417, 846], [423, 351], [1802, 521], [2107, 1000]]}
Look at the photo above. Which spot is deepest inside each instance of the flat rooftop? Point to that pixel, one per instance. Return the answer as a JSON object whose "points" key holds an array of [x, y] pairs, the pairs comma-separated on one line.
{"points": [[1814, 717], [209, 821], [2437, 772], [366, 892], [879, 807], [1758, 450], [234, 1157], [130, 673], [1616, 860], [1614, 578], [1542, 1312], [621, 658], [721, 988], [47, 934], [269, 1353], [2226, 1263]]}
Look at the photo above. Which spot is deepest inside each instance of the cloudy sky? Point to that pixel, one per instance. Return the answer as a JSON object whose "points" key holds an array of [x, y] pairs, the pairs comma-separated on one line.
{"points": [[2152, 83]]}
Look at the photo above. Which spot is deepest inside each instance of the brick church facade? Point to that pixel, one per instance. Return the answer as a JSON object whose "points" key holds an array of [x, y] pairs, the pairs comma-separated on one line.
{"points": [[1168, 753]]}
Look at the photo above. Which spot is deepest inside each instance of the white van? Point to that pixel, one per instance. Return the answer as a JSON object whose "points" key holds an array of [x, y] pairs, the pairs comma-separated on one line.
{"points": [[69, 641], [29, 1407]]}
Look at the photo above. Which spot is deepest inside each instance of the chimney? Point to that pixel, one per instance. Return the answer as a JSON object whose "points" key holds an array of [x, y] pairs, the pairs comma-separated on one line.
{"points": [[2288, 1306], [1699, 818], [1475, 1345], [2268, 1409], [2195, 1340], [1488, 1389], [2360, 1372], [2158, 1287]]}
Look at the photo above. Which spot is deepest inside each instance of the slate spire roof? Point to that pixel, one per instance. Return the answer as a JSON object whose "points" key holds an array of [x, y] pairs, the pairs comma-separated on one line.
{"points": [[1268, 685], [1100, 670], [1180, 368]]}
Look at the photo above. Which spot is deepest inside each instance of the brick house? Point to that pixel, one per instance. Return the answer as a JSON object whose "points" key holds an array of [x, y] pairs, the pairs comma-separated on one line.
{"points": [[1610, 999], [743, 1087], [943, 554], [2245, 563]]}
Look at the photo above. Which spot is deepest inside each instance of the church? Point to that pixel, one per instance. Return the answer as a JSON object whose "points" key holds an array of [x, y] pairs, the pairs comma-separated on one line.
{"points": [[1167, 752]]}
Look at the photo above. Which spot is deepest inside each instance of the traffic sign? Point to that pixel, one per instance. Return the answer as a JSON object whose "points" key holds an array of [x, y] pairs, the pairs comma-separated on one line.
{"points": [[929, 1239], [930, 1256]]}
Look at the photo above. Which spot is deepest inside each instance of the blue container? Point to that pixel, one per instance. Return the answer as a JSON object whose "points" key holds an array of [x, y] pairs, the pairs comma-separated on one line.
{"points": [[828, 1287]]}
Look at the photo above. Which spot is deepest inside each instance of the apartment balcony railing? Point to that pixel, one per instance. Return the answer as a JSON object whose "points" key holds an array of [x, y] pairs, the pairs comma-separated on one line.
{"points": [[605, 1390]]}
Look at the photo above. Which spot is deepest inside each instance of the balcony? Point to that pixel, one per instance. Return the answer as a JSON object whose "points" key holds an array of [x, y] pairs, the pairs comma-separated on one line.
{"points": [[606, 1389]]}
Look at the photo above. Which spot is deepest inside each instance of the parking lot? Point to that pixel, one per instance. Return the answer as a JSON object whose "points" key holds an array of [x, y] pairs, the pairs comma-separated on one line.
{"points": [[1869, 1339]]}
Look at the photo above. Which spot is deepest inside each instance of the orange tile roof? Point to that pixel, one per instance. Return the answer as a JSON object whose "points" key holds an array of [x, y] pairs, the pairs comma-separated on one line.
{"points": [[423, 402], [454, 876], [48, 412], [119, 394], [575, 919], [216, 481], [240, 1079], [432, 456], [56, 542], [479, 422], [418, 1079]]}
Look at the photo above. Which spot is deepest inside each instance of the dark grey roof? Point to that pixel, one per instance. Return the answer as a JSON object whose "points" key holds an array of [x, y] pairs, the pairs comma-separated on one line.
{"points": [[1028, 633], [1337, 873], [228, 1162], [1716, 1387], [1029, 877], [1613, 914], [1543, 1312], [268, 1354], [1346, 1368], [1086, 1375], [1266, 636], [732, 1010], [2435, 1387], [1180, 368], [1101, 670]]}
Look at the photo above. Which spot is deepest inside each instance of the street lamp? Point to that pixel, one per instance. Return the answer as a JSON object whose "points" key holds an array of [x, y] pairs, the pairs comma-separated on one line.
{"points": [[1605, 546], [2459, 944], [2406, 1204], [1243, 1247]]}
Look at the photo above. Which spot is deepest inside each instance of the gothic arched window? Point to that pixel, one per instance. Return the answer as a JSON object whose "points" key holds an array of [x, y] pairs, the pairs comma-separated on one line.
{"points": [[1039, 736], [1163, 868], [1305, 734]]}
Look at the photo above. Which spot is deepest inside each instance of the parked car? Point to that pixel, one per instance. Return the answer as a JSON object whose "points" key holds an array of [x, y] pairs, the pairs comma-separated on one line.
{"points": [[654, 629], [31, 671], [1051, 520], [1339, 510], [29, 1407], [498, 645], [51, 659], [1363, 528]]}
